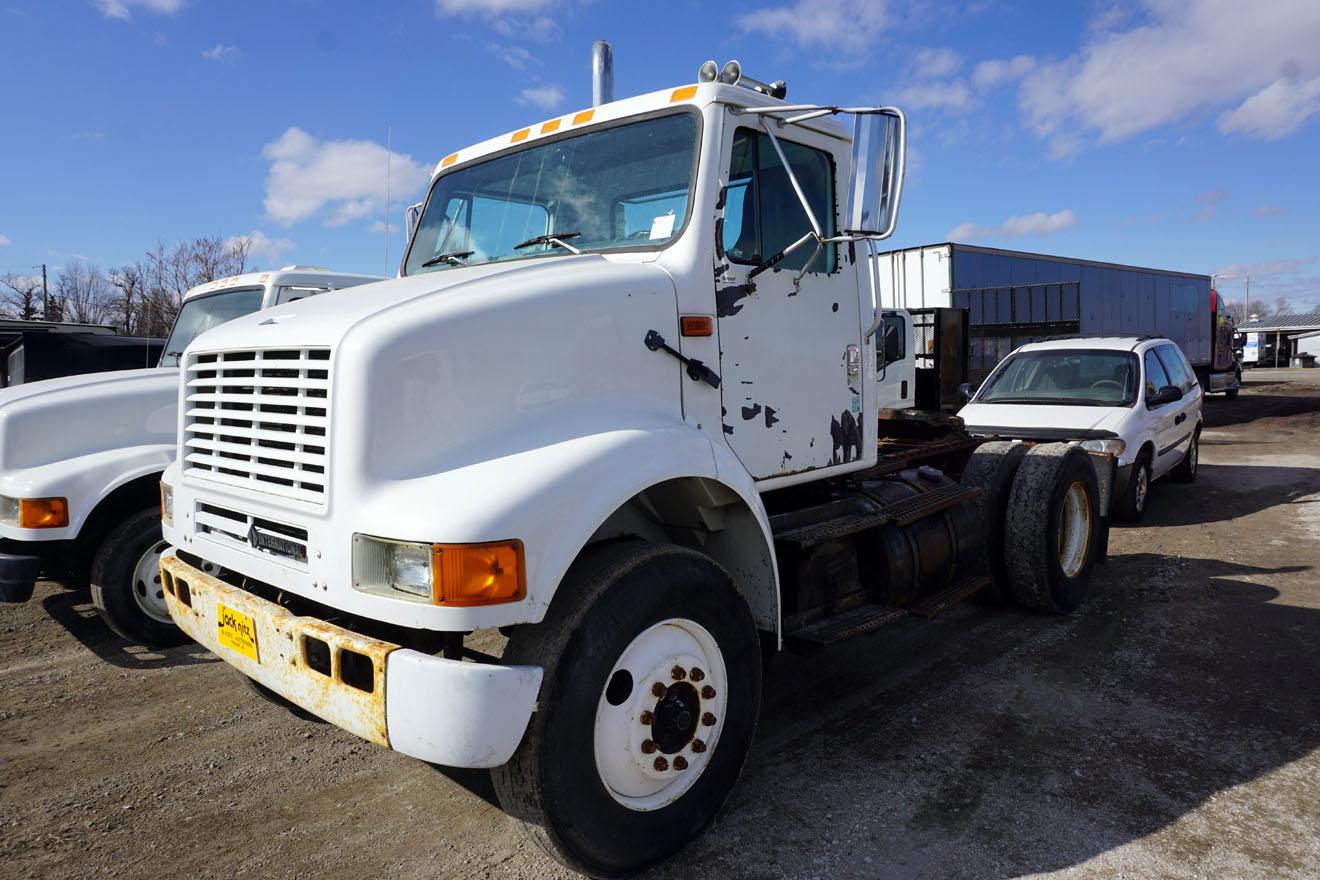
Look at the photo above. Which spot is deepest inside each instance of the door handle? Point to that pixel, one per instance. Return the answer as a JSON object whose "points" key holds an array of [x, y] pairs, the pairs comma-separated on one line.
{"points": [[1180, 418]]}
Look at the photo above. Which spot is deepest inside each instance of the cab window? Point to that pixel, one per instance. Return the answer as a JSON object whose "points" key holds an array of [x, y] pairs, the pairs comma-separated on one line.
{"points": [[1175, 368], [295, 292], [762, 214], [893, 339], [1156, 377]]}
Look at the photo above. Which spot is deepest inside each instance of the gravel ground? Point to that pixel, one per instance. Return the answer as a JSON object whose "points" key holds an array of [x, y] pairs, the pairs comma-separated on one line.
{"points": [[1170, 728]]}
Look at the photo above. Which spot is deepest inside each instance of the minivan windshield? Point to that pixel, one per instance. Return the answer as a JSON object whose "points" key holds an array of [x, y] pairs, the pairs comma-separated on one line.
{"points": [[201, 313], [627, 186], [1064, 377]]}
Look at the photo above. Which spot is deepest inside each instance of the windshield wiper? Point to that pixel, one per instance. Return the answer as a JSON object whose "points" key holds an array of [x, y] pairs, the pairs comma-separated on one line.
{"points": [[454, 257], [556, 238], [1049, 401]]}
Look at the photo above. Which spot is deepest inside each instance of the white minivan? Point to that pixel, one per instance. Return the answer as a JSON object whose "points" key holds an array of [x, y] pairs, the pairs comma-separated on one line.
{"points": [[1135, 397]]}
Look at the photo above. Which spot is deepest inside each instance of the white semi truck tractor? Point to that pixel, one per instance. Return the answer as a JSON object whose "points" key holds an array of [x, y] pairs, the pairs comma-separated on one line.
{"points": [[81, 459], [630, 420]]}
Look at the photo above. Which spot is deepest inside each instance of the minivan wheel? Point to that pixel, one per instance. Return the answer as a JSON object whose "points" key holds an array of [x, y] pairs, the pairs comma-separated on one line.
{"points": [[1185, 472], [1131, 507]]}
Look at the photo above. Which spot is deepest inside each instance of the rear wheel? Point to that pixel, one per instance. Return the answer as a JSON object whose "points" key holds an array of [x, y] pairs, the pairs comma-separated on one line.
{"points": [[1052, 528], [126, 586], [647, 707], [991, 469], [1185, 472]]}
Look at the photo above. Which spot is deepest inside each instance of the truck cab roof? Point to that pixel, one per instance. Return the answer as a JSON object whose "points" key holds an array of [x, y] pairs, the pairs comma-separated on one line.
{"points": [[289, 275]]}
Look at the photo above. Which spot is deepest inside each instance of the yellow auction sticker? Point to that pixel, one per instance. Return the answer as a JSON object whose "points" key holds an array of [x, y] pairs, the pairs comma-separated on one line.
{"points": [[236, 630]]}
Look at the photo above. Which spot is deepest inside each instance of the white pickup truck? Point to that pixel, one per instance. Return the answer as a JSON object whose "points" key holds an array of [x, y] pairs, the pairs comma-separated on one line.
{"points": [[81, 459], [633, 411]]}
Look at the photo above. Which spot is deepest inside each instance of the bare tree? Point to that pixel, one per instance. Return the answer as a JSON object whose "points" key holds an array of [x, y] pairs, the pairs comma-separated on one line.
{"points": [[1281, 305], [83, 294], [130, 283], [20, 295]]}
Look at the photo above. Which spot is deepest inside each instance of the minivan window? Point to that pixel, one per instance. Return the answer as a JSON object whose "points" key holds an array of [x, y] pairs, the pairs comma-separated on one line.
{"points": [[1175, 368], [1156, 377], [1065, 377]]}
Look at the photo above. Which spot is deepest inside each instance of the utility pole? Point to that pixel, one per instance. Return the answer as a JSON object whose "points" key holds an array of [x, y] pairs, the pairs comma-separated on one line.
{"points": [[45, 296]]}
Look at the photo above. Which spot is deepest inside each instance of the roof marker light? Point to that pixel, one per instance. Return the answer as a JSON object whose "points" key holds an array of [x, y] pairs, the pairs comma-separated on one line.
{"points": [[584, 116], [449, 160], [683, 94], [552, 125], [521, 135]]}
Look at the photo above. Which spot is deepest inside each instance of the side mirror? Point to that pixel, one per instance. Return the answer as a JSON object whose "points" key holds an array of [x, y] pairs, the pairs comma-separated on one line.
{"points": [[879, 160], [966, 390], [412, 215], [1167, 394]]}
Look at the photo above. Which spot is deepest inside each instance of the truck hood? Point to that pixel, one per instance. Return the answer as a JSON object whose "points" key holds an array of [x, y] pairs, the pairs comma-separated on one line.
{"points": [[325, 319], [57, 419], [1033, 422]]}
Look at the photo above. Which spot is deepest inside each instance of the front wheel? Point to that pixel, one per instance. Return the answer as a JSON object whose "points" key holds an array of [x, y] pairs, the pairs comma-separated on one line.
{"points": [[125, 582], [648, 704], [1131, 506]]}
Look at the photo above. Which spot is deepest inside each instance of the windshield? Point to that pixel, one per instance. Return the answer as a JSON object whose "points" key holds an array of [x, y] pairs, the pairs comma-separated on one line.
{"points": [[621, 187], [1064, 377], [201, 313]]}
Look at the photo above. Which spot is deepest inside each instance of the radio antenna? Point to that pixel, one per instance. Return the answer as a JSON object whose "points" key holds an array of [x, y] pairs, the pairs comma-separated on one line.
{"points": [[389, 154]]}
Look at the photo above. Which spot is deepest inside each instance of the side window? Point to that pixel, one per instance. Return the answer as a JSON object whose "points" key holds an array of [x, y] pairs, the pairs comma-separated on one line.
{"points": [[893, 340], [1174, 368], [762, 214], [295, 293], [1156, 378]]}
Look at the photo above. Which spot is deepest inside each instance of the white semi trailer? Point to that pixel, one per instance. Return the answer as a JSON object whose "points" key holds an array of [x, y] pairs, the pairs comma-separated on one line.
{"points": [[81, 459], [633, 412]]}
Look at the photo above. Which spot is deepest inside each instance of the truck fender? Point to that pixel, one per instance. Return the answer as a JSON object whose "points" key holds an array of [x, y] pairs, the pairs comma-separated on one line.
{"points": [[85, 481]]}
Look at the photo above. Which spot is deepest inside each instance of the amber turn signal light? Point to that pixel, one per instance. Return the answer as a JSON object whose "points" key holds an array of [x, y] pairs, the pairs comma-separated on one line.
{"points": [[477, 574], [697, 325], [43, 513]]}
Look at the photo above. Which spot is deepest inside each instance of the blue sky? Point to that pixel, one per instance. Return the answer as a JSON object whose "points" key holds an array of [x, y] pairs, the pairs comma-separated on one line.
{"points": [[1172, 133]]}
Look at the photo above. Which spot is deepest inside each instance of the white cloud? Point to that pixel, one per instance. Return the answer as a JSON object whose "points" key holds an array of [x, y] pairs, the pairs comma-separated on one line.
{"points": [[1208, 200], [1018, 226], [1266, 268], [123, 9], [524, 18], [1181, 57], [220, 52], [849, 27], [548, 97], [952, 95], [937, 63], [515, 56], [340, 181], [989, 74], [1275, 111], [5, 241], [1267, 210], [262, 249]]}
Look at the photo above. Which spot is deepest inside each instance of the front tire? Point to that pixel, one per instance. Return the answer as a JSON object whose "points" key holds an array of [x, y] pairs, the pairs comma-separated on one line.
{"points": [[125, 582], [1131, 507], [651, 688]]}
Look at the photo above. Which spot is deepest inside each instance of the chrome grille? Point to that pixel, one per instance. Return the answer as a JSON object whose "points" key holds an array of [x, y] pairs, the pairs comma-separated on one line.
{"points": [[253, 533], [259, 420]]}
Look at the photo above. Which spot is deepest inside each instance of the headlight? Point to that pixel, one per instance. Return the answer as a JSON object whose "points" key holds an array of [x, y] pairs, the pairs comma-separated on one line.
{"points": [[1112, 445], [34, 513], [443, 574], [167, 504]]}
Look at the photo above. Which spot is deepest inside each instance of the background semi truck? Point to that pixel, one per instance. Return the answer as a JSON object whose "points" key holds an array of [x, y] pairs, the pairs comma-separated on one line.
{"points": [[632, 417], [81, 459], [1013, 298]]}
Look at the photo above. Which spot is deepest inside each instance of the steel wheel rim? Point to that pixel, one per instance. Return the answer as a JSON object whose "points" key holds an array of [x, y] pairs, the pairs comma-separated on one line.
{"points": [[653, 743], [147, 590], [1143, 486], [1194, 455], [1074, 529]]}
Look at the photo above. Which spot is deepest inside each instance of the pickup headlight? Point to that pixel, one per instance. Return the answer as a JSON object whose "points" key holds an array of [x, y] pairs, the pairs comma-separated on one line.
{"points": [[34, 513], [1112, 445], [440, 574], [167, 504]]}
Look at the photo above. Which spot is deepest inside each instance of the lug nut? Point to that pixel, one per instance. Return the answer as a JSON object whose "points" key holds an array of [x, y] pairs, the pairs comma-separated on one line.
{"points": [[697, 674], [680, 763], [661, 764], [649, 747], [708, 693], [708, 719], [679, 673], [647, 718], [658, 689], [698, 746]]}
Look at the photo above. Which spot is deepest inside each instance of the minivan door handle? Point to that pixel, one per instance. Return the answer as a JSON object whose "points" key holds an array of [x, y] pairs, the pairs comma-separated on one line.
{"points": [[1180, 418]]}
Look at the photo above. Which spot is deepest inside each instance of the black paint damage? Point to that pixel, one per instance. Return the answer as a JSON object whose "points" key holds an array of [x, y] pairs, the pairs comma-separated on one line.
{"points": [[728, 299], [846, 432]]}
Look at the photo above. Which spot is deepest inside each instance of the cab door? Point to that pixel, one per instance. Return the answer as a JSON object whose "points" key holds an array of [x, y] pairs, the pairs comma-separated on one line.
{"points": [[1164, 421], [790, 335]]}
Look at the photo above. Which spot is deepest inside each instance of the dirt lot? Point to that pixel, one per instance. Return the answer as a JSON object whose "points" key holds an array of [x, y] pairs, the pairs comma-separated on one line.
{"points": [[1171, 728]]}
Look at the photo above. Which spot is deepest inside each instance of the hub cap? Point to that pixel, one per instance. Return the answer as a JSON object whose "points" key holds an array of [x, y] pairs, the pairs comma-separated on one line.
{"points": [[659, 715], [1193, 455], [1143, 486], [147, 589], [1074, 529]]}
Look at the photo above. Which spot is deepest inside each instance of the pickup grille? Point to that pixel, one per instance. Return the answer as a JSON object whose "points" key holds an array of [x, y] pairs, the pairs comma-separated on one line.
{"points": [[259, 420]]}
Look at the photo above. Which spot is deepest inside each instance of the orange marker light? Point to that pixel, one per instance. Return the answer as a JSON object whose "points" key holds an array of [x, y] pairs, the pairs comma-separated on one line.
{"points": [[697, 325], [552, 125], [584, 116], [43, 513], [477, 574], [449, 160], [521, 135], [683, 94]]}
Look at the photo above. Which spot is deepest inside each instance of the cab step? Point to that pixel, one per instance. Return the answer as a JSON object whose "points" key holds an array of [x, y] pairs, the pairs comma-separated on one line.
{"points": [[860, 621], [902, 513], [938, 603]]}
